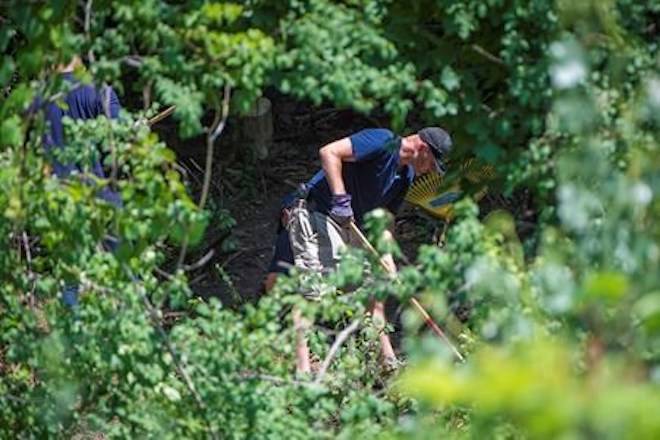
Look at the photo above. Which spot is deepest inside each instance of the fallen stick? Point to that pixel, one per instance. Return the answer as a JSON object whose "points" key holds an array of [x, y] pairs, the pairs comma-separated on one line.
{"points": [[427, 318], [162, 115], [339, 340]]}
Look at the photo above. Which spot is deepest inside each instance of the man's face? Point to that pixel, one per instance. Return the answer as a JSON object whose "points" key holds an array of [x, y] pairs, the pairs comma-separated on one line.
{"points": [[423, 162]]}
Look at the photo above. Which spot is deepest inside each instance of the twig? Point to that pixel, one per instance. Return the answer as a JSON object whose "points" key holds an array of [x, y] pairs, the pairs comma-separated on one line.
{"points": [[88, 21], [341, 338], [274, 379], [162, 115], [196, 165], [146, 95], [164, 274], [28, 257], [181, 168], [199, 263], [232, 257], [182, 253], [216, 130], [113, 149], [475, 47], [133, 60], [241, 252], [198, 278], [483, 52]]}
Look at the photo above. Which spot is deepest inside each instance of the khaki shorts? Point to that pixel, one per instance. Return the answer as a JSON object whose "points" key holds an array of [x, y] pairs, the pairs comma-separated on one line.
{"points": [[317, 243]]}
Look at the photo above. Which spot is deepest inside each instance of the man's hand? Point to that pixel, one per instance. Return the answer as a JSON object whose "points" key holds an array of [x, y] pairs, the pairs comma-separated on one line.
{"points": [[341, 211]]}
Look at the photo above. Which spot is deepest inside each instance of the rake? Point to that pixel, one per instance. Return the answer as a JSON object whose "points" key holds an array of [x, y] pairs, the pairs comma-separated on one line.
{"points": [[436, 194]]}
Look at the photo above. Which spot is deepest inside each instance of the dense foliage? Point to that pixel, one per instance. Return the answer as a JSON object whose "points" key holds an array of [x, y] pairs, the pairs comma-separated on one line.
{"points": [[562, 338]]}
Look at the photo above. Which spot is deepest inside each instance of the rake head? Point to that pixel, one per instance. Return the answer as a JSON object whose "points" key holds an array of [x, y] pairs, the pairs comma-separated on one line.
{"points": [[436, 194]]}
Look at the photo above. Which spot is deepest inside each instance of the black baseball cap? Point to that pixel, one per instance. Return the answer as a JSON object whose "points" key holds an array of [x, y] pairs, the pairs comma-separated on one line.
{"points": [[439, 142]]}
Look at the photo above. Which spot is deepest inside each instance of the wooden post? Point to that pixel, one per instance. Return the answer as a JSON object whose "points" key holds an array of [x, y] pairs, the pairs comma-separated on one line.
{"points": [[257, 127]]}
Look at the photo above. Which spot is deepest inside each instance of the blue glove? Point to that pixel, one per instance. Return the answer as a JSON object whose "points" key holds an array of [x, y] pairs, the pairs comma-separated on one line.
{"points": [[341, 211]]}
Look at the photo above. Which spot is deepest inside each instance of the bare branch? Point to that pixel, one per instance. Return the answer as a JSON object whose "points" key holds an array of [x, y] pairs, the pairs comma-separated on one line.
{"points": [[28, 257], [162, 115], [216, 131], [88, 21], [341, 338], [274, 379], [201, 262], [483, 52], [133, 61]]}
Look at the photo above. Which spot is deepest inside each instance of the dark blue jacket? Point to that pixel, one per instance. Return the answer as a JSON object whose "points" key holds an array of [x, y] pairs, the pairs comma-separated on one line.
{"points": [[83, 102]]}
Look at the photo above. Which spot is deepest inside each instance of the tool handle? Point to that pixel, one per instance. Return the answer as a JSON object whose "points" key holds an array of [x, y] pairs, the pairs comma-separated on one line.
{"points": [[427, 318], [436, 329], [162, 115]]}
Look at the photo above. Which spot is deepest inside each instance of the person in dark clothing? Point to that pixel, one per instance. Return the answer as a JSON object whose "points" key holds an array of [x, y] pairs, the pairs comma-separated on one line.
{"points": [[370, 169], [83, 101]]}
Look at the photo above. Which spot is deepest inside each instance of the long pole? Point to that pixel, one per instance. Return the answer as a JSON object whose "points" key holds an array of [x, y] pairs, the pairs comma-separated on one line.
{"points": [[162, 115], [427, 318]]}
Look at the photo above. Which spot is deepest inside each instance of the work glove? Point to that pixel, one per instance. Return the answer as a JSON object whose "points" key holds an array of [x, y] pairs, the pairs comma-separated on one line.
{"points": [[341, 211]]}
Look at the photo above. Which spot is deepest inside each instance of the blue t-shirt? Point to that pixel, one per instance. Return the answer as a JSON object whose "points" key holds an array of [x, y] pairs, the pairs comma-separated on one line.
{"points": [[374, 180], [83, 102]]}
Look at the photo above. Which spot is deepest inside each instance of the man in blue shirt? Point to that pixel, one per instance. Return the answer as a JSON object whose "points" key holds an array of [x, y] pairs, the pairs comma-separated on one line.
{"points": [[83, 101], [370, 169]]}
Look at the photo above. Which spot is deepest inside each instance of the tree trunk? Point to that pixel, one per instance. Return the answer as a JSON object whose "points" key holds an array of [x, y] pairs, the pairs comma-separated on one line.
{"points": [[257, 127]]}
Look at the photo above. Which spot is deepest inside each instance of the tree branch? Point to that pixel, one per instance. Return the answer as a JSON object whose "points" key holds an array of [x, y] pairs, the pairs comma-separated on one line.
{"points": [[274, 379], [133, 60], [28, 258], [200, 263], [483, 52], [88, 21], [113, 149], [215, 132], [341, 338], [162, 115]]}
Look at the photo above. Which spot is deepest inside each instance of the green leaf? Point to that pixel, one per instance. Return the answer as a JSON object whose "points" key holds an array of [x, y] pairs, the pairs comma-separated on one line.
{"points": [[11, 133], [608, 286], [449, 78], [6, 69], [648, 310]]}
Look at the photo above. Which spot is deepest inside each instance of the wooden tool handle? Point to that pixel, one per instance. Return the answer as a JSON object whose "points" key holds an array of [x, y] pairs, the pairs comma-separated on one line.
{"points": [[162, 115], [427, 318]]}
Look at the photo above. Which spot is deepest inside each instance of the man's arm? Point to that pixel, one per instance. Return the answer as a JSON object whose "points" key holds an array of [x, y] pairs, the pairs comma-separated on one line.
{"points": [[332, 157], [108, 103]]}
